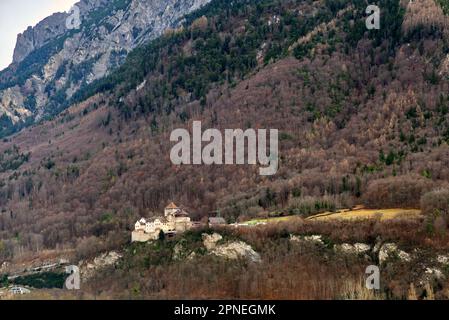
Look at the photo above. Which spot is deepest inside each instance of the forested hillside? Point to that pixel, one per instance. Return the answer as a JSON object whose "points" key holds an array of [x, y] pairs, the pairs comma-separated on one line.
{"points": [[363, 118], [53, 60]]}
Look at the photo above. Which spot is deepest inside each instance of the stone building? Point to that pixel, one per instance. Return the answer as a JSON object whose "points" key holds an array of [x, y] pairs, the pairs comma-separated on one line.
{"points": [[175, 220]]}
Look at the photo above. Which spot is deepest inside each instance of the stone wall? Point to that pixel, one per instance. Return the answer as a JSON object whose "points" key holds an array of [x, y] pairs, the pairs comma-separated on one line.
{"points": [[139, 236]]}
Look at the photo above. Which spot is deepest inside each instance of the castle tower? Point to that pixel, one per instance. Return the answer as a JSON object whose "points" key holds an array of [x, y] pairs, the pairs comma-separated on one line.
{"points": [[170, 210]]}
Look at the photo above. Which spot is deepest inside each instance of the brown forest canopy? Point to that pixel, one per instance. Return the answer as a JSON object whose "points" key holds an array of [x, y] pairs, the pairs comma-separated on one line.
{"points": [[363, 119]]}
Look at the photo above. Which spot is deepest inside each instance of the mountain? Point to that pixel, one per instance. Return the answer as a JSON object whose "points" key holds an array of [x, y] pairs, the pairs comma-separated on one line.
{"points": [[51, 62], [363, 118]]}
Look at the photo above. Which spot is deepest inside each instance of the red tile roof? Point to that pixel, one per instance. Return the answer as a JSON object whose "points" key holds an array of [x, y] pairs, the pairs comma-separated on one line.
{"points": [[172, 206]]}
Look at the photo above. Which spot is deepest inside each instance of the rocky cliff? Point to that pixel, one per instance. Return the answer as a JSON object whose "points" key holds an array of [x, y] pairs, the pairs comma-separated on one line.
{"points": [[52, 62], [34, 38]]}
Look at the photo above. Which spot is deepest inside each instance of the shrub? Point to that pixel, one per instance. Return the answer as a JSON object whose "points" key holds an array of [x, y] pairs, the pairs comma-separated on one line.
{"points": [[435, 204], [42, 280]]}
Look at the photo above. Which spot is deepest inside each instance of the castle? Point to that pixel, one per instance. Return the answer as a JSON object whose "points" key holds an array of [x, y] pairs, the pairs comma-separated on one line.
{"points": [[174, 220]]}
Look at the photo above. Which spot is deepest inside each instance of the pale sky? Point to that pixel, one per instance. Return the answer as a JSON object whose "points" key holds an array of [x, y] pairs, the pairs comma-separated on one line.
{"points": [[17, 15]]}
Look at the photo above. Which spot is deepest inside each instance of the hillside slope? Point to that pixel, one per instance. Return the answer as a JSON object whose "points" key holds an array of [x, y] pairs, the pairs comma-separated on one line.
{"points": [[51, 62], [363, 118]]}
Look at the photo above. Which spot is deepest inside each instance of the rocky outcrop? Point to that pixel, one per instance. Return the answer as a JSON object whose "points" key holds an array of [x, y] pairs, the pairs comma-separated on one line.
{"points": [[430, 276], [314, 239], [4, 267], [88, 269], [236, 250], [356, 248], [12, 104], [390, 250], [231, 250], [65, 60], [210, 240], [443, 259], [382, 251], [34, 38], [50, 28]]}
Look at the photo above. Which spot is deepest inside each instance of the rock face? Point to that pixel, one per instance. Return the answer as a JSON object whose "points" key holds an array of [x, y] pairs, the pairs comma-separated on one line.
{"points": [[236, 250], [88, 269], [313, 239], [443, 259], [210, 240], [34, 38], [391, 250], [356, 248], [4, 267], [431, 275], [231, 250], [52, 62]]}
